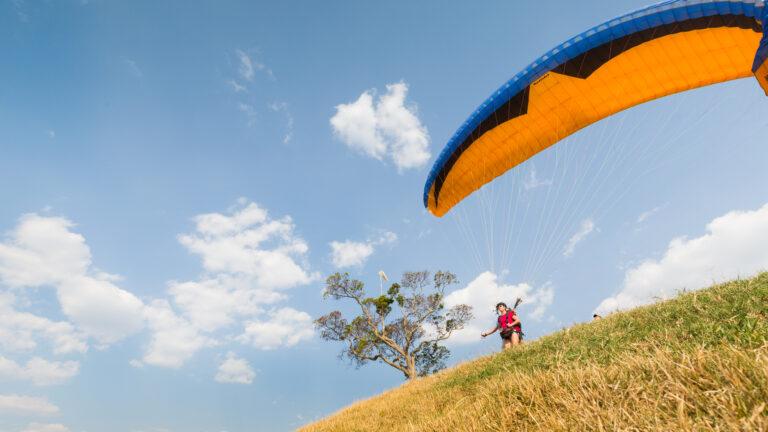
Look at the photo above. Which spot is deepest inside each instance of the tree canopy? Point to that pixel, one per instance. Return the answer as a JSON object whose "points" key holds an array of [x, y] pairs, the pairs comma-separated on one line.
{"points": [[408, 340]]}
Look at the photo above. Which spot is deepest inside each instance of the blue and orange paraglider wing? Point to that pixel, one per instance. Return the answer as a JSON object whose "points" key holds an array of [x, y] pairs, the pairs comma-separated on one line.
{"points": [[664, 49]]}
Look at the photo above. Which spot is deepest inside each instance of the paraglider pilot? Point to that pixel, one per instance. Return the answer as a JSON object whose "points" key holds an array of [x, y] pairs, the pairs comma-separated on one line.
{"points": [[509, 325]]}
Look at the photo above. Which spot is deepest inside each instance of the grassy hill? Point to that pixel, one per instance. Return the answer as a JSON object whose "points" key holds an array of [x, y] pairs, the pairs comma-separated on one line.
{"points": [[697, 362]]}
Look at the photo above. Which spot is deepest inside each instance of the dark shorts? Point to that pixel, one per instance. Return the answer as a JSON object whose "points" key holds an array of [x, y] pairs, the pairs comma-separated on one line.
{"points": [[507, 334]]}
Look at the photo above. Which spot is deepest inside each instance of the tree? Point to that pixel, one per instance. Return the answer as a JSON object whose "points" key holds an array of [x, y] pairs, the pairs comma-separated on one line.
{"points": [[408, 343]]}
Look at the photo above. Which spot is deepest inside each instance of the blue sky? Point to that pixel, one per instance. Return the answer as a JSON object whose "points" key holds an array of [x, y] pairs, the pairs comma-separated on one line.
{"points": [[179, 178]]}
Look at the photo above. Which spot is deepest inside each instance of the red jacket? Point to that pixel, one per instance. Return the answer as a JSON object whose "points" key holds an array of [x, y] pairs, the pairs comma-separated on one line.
{"points": [[508, 318]]}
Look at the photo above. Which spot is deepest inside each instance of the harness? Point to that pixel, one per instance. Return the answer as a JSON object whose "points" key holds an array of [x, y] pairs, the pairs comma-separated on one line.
{"points": [[506, 332]]}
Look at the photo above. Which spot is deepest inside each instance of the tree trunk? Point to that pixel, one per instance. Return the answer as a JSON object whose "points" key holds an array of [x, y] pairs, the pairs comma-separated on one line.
{"points": [[413, 374]]}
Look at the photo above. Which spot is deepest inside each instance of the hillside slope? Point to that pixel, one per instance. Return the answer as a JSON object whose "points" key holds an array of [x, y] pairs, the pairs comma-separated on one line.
{"points": [[697, 362]]}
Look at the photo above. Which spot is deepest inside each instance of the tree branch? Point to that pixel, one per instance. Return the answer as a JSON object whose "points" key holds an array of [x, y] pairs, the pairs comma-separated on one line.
{"points": [[376, 332]]}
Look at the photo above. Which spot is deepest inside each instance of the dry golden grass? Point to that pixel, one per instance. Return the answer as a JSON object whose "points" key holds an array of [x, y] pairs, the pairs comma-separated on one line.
{"points": [[700, 363]]}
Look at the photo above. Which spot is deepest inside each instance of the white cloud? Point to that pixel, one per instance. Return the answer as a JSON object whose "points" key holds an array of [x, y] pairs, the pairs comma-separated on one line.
{"points": [[40, 371], [213, 304], [19, 331], [386, 237], [356, 125], [43, 251], [733, 247], [27, 405], [250, 243], [208, 303], [250, 260], [587, 226], [387, 129], [285, 327], [52, 134], [484, 292], [101, 309], [174, 340], [46, 373], [9, 369], [350, 253], [235, 370], [39, 427]]}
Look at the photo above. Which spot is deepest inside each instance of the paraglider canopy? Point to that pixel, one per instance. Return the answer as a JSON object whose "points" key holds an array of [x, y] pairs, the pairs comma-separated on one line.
{"points": [[664, 49]]}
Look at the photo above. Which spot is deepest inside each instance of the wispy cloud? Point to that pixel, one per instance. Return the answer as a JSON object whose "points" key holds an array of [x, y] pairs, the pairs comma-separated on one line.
{"points": [[20, 12], [283, 107], [587, 226], [250, 113], [27, 405], [247, 69], [646, 214], [424, 233], [236, 87], [40, 427], [533, 181], [40, 371], [246, 66], [133, 68], [387, 129]]}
